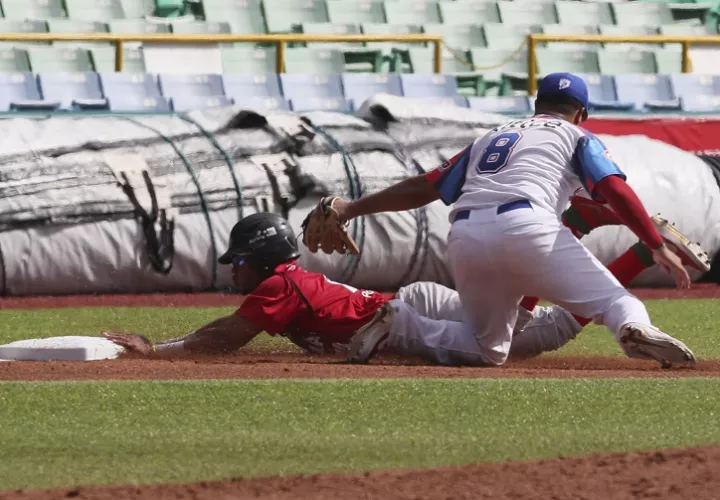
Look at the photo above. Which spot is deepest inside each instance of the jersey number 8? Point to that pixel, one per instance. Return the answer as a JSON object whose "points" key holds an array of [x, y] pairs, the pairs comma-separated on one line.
{"points": [[496, 154]]}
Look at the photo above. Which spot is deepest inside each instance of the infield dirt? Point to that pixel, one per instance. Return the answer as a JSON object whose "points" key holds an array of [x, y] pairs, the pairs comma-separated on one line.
{"points": [[667, 474]]}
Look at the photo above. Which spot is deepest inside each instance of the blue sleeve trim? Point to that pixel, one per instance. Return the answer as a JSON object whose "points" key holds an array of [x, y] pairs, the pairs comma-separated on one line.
{"points": [[452, 179], [592, 164]]}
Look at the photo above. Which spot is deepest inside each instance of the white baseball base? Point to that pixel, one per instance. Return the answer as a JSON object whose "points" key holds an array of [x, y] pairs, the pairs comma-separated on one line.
{"points": [[68, 348]]}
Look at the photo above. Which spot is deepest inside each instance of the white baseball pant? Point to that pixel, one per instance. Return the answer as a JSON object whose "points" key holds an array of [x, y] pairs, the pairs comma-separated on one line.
{"points": [[412, 332], [497, 259]]}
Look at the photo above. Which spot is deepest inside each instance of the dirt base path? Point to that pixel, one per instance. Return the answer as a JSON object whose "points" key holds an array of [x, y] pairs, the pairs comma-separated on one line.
{"points": [[668, 474], [294, 366]]}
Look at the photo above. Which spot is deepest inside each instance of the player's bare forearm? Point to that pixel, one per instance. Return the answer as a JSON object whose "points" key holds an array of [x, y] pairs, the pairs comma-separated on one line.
{"points": [[226, 334], [408, 194], [223, 335]]}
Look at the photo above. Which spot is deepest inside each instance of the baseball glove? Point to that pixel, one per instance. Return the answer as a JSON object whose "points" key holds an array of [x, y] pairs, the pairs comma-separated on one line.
{"points": [[322, 228]]}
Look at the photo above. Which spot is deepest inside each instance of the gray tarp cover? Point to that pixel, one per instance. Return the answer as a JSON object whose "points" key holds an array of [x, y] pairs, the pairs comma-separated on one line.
{"points": [[66, 226]]}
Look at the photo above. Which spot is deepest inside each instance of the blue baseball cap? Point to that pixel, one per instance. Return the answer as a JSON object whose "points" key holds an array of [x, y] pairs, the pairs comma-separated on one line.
{"points": [[565, 84]]}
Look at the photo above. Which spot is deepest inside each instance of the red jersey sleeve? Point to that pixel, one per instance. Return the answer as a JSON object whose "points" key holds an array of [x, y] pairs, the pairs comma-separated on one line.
{"points": [[272, 306]]}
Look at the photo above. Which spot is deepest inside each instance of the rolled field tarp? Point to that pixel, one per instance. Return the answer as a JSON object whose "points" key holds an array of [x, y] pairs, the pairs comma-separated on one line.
{"points": [[135, 204]]}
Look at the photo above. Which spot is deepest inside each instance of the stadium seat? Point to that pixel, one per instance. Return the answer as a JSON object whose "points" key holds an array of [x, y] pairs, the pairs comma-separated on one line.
{"points": [[187, 92], [244, 17], [132, 92], [701, 104], [320, 104], [569, 29], [134, 26], [262, 104], [469, 12], [668, 61], [417, 12], [357, 56], [283, 16], [299, 87], [587, 13], [16, 26], [527, 13], [613, 62], [137, 9], [458, 100], [514, 105], [389, 29], [103, 59], [684, 30], [318, 61], [33, 9], [256, 61], [602, 94], [419, 85], [173, 8], [193, 102], [506, 36], [629, 31], [19, 92], [512, 73], [458, 36], [238, 86], [73, 90], [200, 27], [647, 92], [14, 60], [355, 12], [358, 87], [50, 59], [642, 14], [72, 26], [93, 10], [575, 61], [422, 60], [332, 29], [696, 92]]}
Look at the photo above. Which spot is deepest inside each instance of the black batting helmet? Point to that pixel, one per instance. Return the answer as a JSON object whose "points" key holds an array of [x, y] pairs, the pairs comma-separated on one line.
{"points": [[264, 240]]}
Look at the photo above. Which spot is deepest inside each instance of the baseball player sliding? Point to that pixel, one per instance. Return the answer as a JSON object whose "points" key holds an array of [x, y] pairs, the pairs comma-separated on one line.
{"points": [[322, 316], [507, 240]]}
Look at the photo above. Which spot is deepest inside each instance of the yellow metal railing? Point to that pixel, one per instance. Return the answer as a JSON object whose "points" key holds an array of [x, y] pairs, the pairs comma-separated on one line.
{"points": [[684, 41], [279, 40]]}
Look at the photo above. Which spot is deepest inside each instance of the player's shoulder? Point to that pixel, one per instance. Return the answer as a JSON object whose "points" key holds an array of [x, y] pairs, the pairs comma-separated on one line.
{"points": [[541, 122], [271, 286]]}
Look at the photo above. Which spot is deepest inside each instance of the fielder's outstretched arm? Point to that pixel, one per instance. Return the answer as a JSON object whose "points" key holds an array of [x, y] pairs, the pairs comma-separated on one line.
{"points": [[408, 194], [223, 335]]}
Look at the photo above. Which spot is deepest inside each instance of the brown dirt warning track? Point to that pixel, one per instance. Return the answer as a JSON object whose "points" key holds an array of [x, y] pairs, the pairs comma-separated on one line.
{"points": [[665, 474]]}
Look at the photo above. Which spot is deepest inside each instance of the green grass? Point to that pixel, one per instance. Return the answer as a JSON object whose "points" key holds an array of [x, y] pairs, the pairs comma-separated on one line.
{"points": [[135, 432], [68, 433], [693, 321]]}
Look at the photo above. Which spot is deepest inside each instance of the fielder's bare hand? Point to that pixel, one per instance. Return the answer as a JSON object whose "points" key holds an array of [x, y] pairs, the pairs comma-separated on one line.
{"points": [[133, 343], [340, 205], [667, 260]]}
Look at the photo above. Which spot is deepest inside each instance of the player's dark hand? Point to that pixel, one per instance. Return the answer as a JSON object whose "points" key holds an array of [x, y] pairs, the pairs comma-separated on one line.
{"points": [[340, 205], [667, 260], [131, 342]]}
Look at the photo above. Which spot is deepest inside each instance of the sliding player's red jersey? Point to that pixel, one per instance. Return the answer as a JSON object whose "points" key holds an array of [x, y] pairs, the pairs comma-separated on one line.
{"points": [[309, 308]]}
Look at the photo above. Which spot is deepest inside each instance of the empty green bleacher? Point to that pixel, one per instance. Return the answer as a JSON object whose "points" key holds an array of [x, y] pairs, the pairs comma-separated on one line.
{"points": [[483, 38]]}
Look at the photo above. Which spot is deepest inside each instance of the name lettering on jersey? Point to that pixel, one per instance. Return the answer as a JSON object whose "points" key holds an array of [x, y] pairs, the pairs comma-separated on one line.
{"points": [[530, 123]]}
